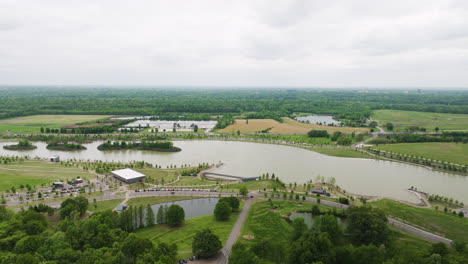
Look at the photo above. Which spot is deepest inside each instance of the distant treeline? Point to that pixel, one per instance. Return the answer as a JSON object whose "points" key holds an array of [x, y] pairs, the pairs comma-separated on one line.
{"points": [[354, 107], [99, 127], [458, 137], [145, 145]]}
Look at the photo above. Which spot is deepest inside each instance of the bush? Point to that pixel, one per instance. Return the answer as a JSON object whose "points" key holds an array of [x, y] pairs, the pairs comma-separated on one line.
{"points": [[318, 133], [233, 202]]}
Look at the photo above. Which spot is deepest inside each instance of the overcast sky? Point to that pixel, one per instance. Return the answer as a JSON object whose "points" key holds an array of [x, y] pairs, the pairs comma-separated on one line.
{"points": [[348, 43]]}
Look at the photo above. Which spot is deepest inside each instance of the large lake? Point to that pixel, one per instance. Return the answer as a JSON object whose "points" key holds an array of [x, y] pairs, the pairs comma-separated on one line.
{"points": [[314, 119], [192, 208], [291, 164]]}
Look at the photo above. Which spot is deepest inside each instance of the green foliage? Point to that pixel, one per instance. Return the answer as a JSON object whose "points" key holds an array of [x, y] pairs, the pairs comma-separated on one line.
{"points": [[206, 244], [367, 225], [241, 254], [175, 215], [311, 247], [318, 133], [222, 211], [232, 201], [150, 216], [77, 205], [144, 145]]}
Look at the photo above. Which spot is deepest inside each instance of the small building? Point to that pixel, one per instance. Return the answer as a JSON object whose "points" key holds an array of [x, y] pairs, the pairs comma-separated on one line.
{"points": [[57, 184], [320, 191], [128, 175], [55, 159]]}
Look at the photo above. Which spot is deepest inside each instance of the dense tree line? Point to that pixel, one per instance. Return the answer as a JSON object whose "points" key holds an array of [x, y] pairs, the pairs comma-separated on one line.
{"points": [[366, 240], [352, 106], [457, 137], [144, 145], [26, 239]]}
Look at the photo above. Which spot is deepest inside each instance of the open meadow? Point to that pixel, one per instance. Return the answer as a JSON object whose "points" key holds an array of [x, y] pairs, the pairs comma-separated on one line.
{"points": [[289, 126], [446, 151], [36, 173], [405, 119], [33, 124]]}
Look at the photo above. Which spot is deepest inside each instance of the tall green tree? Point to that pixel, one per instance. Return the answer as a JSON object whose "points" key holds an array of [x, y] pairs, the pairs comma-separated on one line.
{"points": [[222, 211], [175, 215], [367, 225], [205, 243], [149, 216], [160, 215]]}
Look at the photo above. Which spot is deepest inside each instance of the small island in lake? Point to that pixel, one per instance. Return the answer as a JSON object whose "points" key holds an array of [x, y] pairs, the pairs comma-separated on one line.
{"points": [[22, 145], [65, 146], [152, 146]]}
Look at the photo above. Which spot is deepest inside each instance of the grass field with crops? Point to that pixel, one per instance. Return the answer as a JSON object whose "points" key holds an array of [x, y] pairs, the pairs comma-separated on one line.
{"points": [[447, 225], [183, 236], [33, 124], [405, 119], [36, 173], [288, 126], [445, 151]]}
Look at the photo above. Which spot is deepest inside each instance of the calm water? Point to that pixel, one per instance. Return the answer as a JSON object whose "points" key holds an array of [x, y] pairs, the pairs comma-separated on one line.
{"points": [[361, 176], [314, 119], [193, 208], [314, 220]]}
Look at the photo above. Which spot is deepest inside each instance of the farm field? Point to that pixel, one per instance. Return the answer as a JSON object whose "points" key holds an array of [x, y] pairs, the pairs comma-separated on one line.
{"points": [[36, 173], [438, 222], [451, 152], [405, 119], [33, 124], [183, 236], [288, 126]]}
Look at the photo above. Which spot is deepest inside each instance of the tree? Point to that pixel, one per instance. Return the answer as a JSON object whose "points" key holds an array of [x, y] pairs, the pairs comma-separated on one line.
{"points": [[389, 126], [312, 247], [436, 129], [243, 191], [345, 141], [299, 227], [222, 211], [175, 215], [233, 202], [150, 215], [160, 215], [206, 244], [329, 224], [315, 210], [459, 246], [242, 255], [439, 249], [367, 225]]}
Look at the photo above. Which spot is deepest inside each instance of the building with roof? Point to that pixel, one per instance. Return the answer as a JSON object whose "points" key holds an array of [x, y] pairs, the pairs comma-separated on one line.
{"points": [[128, 175]]}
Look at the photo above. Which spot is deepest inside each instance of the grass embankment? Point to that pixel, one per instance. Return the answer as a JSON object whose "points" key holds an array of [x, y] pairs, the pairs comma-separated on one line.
{"points": [[160, 176], [341, 152], [405, 119], [254, 186], [33, 124], [36, 173], [446, 151], [183, 236], [288, 126], [447, 225]]}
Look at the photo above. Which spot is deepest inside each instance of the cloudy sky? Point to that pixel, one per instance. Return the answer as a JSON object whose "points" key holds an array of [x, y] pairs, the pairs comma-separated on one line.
{"points": [[347, 43]]}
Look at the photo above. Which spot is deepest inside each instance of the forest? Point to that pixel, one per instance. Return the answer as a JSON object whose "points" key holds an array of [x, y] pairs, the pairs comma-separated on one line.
{"points": [[344, 104]]}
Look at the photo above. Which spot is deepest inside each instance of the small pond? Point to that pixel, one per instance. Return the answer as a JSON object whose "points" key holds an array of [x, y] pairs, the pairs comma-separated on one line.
{"points": [[314, 119], [193, 208], [314, 220]]}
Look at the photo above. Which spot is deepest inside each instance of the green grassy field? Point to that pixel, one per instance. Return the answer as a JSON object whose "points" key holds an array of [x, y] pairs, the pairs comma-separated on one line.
{"points": [[104, 205], [36, 173], [253, 185], [183, 236], [447, 225], [451, 152], [405, 119], [168, 175], [32, 124]]}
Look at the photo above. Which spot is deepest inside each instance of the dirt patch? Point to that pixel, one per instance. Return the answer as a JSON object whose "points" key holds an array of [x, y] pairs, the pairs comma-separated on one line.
{"points": [[248, 237], [274, 210], [285, 215], [12, 120]]}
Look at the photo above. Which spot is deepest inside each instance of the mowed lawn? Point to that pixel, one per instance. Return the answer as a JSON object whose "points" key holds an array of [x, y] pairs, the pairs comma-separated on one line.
{"points": [[447, 225], [404, 119], [36, 173], [183, 236], [445, 151], [288, 126], [33, 124]]}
